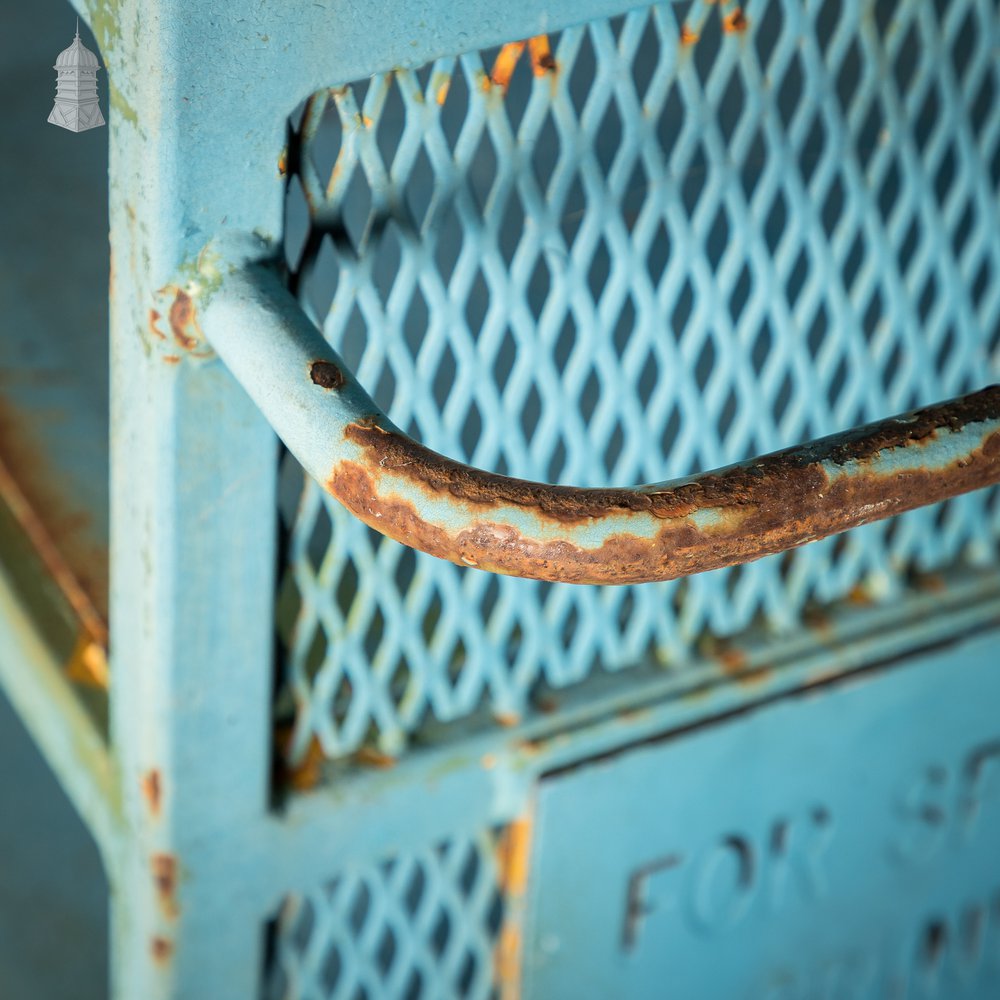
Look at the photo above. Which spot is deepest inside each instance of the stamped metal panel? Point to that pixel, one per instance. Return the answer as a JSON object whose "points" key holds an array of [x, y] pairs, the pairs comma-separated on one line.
{"points": [[843, 843]]}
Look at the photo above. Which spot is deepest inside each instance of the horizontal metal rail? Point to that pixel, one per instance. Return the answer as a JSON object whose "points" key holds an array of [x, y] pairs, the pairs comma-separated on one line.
{"points": [[561, 533]]}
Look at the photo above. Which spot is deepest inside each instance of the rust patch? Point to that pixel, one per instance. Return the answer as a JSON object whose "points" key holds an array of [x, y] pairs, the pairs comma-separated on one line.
{"points": [[326, 375], [542, 60], [152, 791], [504, 65], [164, 869], [507, 961], [183, 322], [88, 663], [737, 484], [283, 163], [816, 617], [732, 660], [154, 318], [488, 761], [162, 950], [513, 856], [771, 504], [372, 757], [62, 535], [506, 719], [171, 359], [441, 93], [634, 714], [688, 37], [929, 582], [735, 22], [752, 678], [308, 772], [513, 851]]}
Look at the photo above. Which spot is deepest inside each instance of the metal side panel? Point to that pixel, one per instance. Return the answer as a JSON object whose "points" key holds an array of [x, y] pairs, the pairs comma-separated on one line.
{"points": [[844, 842]]}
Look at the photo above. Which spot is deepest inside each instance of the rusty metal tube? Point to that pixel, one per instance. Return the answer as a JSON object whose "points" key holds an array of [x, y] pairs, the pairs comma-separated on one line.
{"points": [[560, 533]]}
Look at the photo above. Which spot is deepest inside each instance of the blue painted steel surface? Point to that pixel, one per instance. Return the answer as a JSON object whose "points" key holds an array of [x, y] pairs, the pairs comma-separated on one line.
{"points": [[838, 844], [777, 184]]}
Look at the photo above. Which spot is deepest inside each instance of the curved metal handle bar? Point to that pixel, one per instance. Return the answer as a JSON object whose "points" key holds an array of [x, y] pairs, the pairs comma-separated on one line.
{"points": [[560, 533]]}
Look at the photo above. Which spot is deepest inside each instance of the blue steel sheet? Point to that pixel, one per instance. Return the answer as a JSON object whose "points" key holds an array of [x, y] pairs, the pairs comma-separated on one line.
{"points": [[841, 843]]}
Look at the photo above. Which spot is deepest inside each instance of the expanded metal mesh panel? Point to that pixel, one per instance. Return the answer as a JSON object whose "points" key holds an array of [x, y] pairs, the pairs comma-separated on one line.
{"points": [[635, 249], [425, 924]]}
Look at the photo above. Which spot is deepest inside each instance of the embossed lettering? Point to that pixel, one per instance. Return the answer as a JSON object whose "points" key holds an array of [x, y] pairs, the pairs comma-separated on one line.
{"points": [[725, 883], [924, 812], [982, 783], [939, 804], [797, 853], [716, 887]]}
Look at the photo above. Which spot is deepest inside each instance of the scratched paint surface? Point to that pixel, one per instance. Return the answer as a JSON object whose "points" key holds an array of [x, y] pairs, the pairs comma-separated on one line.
{"points": [[494, 243]]}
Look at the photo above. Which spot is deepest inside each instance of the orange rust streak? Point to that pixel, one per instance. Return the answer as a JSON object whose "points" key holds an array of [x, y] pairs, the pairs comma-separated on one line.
{"points": [[688, 37], [88, 664], [442, 92], [801, 508], [49, 551], [542, 60], [774, 503], [506, 63], [164, 868], [309, 771], [371, 757], [735, 22], [183, 323], [752, 678], [154, 318], [512, 856], [507, 961], [930, 582], [162, 950], [152, 791], [733, 661]]}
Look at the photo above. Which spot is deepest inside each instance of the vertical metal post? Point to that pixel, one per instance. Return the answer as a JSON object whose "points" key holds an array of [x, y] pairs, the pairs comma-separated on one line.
{"points": [[193, 464]]}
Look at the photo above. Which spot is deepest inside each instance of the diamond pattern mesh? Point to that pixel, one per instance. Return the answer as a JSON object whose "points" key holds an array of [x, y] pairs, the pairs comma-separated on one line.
{"points": [[635, 249], [422, 925]]}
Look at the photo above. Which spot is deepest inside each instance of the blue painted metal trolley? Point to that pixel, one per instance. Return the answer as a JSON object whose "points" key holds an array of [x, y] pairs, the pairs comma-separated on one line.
{"points": [[389, 682]]}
